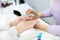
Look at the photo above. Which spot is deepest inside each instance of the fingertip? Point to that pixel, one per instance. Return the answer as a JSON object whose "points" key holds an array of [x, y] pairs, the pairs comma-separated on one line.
{"points": [[35, 21]]}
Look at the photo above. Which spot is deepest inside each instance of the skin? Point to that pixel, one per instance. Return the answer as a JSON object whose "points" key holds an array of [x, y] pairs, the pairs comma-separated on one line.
{"points": [[41, 26], [22, 26], [40, 15], [23, 23], [34, 12], [20, 22], [16, 21], [20, 19]]}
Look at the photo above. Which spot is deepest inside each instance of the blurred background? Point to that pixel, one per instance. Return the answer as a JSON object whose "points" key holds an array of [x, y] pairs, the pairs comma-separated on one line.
{"points": [[38, 5]]}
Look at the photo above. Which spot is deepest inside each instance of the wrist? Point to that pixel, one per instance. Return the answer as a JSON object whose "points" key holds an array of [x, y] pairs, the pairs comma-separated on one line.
{"points": [[41, 26], [40, 15], [44, 27]]}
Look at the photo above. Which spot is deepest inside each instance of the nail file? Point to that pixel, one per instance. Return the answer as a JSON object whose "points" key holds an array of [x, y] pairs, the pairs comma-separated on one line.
{"points": [[31, 15]]}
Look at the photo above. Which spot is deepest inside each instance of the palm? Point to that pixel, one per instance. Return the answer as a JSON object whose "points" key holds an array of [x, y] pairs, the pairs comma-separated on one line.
{"points": [[27, 24]]}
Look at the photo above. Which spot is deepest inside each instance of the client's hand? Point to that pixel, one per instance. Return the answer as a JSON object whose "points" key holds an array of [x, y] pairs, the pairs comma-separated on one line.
{"points": [[22, 26], [20, 19], [16, 21]]}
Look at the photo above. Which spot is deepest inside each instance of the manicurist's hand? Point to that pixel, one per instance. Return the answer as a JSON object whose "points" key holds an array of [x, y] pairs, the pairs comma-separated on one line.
{"points": [[36, 15], [29, 11], [41, 26]]}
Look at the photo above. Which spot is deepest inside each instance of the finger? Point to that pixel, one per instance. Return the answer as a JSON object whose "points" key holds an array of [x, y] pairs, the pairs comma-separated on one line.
{"points": [[20, 17], [33, 22], [30, 11], [28, 18], [27, 10]]}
